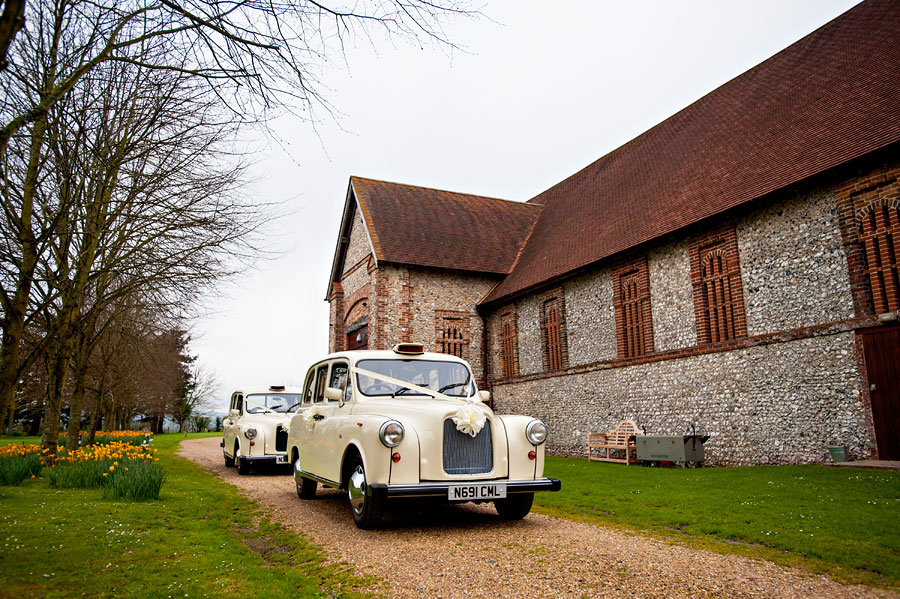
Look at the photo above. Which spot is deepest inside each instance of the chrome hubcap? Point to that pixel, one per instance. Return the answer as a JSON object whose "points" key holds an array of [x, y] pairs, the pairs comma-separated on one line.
{"points": [[357, 490]]}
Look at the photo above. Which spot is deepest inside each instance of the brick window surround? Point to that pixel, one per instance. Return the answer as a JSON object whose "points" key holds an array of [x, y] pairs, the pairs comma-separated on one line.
{"points": [[718, 292], [631, 299], [879, 234], [452, 333], [554, 346], [508, 341]]}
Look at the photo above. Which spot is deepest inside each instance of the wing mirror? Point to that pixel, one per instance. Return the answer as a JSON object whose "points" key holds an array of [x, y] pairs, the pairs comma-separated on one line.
{"points": [[234, 413], [333, 394], [485, 396]]}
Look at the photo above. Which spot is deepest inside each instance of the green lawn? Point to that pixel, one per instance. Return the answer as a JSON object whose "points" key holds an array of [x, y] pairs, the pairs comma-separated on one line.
{"points": [[200, 539], [837, 520]]}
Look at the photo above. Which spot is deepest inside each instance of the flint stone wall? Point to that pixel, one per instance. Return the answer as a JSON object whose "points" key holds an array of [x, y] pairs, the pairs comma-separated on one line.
{"points": [[793, 265], [359, 247], [776, 404]]}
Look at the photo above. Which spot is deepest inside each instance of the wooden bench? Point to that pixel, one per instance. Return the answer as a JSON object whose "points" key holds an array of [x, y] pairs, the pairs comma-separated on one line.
{"points": [[620, 438]]}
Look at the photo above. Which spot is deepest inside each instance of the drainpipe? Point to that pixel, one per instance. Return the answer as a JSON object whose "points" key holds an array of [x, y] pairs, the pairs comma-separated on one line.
{"points": [[485, 362]]}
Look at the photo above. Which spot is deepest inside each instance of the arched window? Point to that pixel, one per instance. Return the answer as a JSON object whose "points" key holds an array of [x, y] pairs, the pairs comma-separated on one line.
{"points": [[718, 292], [718, 313], [452, 341], [879, 230], [508, 346], [553, 331], [634, 326]]}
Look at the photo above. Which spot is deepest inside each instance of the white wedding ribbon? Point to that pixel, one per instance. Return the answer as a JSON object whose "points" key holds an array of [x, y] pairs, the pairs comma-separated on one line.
{"points": [[412, 386], [465, 420]]}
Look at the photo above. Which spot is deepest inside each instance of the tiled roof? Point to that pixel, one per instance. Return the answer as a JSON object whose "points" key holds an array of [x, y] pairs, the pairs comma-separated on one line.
{"points": [[829, 98], [429, 227]]}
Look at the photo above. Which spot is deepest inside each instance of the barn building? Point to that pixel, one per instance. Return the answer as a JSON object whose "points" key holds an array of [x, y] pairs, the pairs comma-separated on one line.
{"points": [[733, 269]]}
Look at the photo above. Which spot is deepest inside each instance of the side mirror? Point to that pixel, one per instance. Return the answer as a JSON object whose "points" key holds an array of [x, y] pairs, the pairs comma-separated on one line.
{"points": [[234, 413], [333, 394], [485, 396]]}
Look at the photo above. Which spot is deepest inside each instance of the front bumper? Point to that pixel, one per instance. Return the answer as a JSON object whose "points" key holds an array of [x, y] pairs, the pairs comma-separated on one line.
{"points": [[441, 489]]}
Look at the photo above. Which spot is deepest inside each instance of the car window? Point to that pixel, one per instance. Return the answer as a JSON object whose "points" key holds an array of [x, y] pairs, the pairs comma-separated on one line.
{"points": [[449, 378], [261, 403], [239, 404], [309, 388], [321, 378], [339, 375]]}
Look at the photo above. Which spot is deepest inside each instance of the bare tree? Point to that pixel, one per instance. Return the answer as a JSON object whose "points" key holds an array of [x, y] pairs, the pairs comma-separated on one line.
{"points": [[196, 396], [247, 57]]}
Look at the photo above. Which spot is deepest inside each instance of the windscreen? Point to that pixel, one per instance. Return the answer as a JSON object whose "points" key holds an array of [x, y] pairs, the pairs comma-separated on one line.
{"points": [[449, 378], [260, 403]]}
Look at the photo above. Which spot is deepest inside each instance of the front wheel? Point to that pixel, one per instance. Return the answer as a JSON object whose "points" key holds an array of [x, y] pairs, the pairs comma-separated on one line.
{"points": [[514, 507], [366, 509], [229, 461], [306, 488], [243, 466]]}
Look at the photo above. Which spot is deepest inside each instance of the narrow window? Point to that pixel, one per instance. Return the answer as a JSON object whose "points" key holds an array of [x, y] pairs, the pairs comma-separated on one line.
{"points": [[553, 331], [634, 326], [453, 333], [508, 345], [718, 293], [879, 232]]}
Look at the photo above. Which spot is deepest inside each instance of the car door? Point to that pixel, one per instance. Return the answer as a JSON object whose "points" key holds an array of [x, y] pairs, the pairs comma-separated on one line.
{"points": [[311, 455], [229, 426], [329, 431]]}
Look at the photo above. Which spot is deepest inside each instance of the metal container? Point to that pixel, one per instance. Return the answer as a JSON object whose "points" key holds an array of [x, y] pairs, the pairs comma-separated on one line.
{"points": [[666, 448], [838, 453]]}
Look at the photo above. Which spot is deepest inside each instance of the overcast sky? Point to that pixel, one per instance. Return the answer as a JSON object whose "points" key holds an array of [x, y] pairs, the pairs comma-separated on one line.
{"points": [[534, 96]]}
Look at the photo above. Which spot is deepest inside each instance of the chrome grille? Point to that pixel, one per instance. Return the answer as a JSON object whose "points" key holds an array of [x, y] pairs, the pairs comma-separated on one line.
{"points": [[464, 454], [280, 439]]}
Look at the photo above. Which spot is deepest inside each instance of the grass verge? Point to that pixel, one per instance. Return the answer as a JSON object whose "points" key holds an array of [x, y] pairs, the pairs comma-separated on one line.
{"points": [[833, 520], [200, 539]]}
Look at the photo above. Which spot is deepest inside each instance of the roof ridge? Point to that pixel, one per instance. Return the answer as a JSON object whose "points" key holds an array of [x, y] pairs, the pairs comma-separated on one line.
{"points": [[461, 193]]}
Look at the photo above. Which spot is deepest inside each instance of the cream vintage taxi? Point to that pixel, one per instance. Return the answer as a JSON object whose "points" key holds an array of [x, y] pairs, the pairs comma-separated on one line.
{"points": [[404, 423], [255, 429]]}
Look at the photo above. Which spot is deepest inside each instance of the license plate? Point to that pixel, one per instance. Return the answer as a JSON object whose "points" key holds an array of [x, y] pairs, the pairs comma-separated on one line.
{"points": [[281, 459], [475, 492]]}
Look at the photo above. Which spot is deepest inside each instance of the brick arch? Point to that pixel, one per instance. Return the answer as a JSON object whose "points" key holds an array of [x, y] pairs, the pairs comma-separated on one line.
{"points": [[356, 325]]}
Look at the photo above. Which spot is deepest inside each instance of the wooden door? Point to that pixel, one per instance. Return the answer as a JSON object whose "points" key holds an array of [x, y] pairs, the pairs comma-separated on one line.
{"points": [[358, 339], [882, 354]]}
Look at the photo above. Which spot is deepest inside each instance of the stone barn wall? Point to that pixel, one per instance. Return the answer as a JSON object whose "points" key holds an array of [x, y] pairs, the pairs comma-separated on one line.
{"points": [[781, 393]]}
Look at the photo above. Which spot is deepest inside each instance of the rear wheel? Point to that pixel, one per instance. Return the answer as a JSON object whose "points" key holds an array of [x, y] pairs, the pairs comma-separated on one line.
{"points": [[366, 509], [514, 507]]}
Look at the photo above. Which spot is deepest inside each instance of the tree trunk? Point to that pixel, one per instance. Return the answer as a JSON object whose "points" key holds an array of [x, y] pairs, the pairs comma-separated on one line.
{"points": [[77, 402], [16, 307], [12, 416]]}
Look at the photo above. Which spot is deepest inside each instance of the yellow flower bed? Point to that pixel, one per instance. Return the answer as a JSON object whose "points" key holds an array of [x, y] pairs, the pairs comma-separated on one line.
{"points": [[8, 451], [116, 450], [122, 434]]}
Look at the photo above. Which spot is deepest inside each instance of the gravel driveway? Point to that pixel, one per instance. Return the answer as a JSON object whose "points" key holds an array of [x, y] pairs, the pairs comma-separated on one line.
{"points": [[461, 551]]}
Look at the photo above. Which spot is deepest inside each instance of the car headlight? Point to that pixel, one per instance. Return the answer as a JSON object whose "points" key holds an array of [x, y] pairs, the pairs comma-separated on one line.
{"points": [[250, 432], [536, 432], [391, 433]]}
